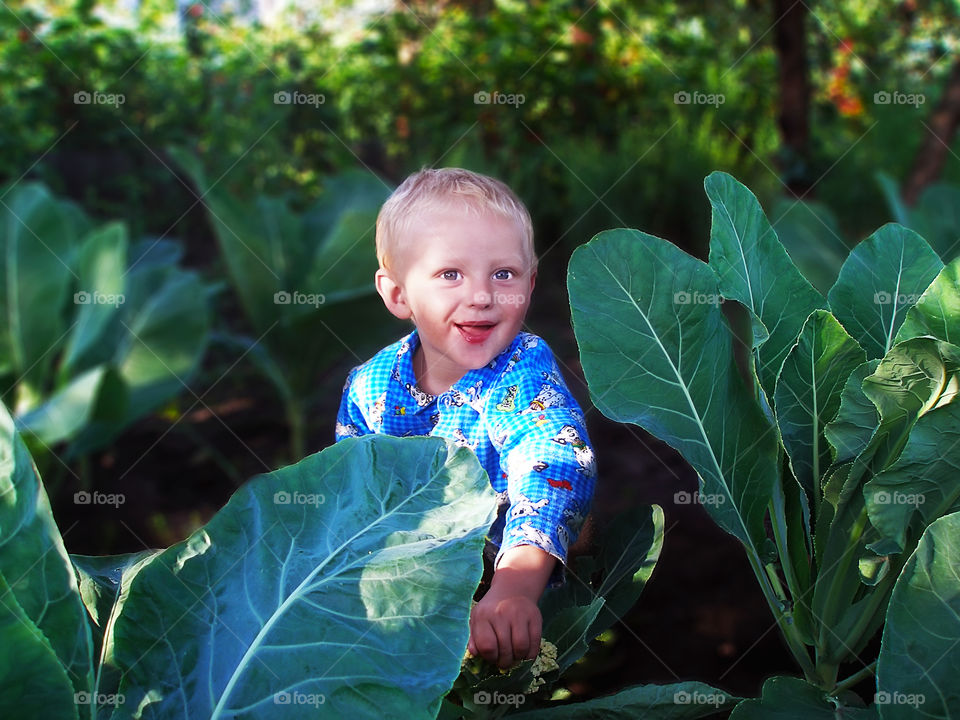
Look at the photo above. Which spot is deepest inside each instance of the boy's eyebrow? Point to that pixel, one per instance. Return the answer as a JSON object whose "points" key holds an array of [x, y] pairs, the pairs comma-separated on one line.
{"points": [[517, 261]]}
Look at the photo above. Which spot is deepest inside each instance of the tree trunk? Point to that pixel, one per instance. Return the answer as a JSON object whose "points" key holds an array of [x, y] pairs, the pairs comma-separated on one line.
{"points": [[794, 117], [942, 127]]}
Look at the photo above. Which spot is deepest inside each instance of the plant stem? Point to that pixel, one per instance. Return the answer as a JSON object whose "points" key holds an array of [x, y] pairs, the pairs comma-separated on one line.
{"points": [[877, 603], [854, 679], [783, 617], [827, 617], [826, 674], [781, 536]]}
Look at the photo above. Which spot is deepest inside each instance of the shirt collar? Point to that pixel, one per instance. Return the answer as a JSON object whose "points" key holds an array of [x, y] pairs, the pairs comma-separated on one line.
{"points": [[470, 385]]}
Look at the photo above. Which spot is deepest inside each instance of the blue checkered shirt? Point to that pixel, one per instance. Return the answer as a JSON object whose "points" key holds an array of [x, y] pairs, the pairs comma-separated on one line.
{"points": [[515, 413]]}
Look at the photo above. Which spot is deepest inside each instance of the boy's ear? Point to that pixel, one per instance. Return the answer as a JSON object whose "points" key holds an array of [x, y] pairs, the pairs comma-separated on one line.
{"points": [[392, 294]]}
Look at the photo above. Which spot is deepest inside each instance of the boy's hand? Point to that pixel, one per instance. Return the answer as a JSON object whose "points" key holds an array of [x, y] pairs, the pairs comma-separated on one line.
{"points": [[506, 625]]}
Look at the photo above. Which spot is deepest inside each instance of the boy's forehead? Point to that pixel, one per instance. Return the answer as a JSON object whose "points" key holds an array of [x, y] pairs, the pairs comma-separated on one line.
{"points": [[450, 230]]}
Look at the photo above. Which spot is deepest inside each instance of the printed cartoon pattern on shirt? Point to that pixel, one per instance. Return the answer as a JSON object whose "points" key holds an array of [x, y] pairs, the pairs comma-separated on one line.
{"points": [[470, 396], [508, 403], [376, 411], [461, 440], [568, 436], [515, 413], [348, 430], [574, 518], [535, 536], [549, 396], [524, 506], [423, 399]]}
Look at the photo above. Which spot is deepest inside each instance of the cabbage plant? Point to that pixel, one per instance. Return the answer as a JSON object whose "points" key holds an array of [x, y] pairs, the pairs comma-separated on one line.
{"points": [[337, 587], [829, 451], [304, 279], [97, 331], [935, 215]]}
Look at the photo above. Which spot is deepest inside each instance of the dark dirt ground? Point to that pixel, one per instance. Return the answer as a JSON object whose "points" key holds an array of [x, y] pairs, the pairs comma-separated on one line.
{"points": [[701, 616]]}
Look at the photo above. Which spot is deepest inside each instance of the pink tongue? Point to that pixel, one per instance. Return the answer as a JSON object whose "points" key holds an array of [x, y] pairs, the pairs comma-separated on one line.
{"points": [[475, 333]]}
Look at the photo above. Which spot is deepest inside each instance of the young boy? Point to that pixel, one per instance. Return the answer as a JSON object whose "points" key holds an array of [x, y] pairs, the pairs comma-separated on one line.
{"points": [[456, 257]]}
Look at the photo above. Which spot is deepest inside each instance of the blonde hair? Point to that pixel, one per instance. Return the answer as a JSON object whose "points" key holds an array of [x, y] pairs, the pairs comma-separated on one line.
{"points": [[439, 189]]}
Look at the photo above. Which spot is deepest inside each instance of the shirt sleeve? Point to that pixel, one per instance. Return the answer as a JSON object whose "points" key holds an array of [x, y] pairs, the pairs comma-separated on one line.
{"points": [[549, 465], [350, 419]]}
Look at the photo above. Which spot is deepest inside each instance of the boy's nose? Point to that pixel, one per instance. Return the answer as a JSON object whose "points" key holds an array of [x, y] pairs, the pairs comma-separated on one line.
{"points": [[480, 295]]}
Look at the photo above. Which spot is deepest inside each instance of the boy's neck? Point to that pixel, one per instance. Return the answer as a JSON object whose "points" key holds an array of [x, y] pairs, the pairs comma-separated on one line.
{"points": [[425, 380]]}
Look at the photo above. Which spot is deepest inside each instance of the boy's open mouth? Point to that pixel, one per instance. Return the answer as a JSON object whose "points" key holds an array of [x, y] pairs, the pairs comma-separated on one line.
{"points": [[475, 332]]}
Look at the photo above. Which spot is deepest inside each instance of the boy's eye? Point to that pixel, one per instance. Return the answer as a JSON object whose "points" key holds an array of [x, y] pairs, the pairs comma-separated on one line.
{"points": [[450, 274], [502, 275]]}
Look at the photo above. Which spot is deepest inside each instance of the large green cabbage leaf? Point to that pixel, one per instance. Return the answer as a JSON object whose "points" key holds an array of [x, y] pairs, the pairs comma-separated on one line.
{"points": [[341, 583]]}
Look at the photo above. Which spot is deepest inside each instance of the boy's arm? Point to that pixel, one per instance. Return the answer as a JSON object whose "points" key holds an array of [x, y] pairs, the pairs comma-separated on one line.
{"points": [[550, 479], [350, 420], [506, 625]]}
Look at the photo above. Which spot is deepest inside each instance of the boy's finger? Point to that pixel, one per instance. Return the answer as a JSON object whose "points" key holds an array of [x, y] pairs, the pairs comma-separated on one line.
{"points": [[504, 644], [536, 634], [521, 641], [484, 640]]}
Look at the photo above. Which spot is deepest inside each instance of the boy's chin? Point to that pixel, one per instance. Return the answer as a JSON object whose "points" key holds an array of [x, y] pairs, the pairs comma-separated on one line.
{"points": [[482, 361]]}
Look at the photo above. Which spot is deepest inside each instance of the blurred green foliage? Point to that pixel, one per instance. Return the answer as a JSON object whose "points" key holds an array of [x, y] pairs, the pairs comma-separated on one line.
{"points": [[97, 332], [598, 114], [303, 282], [597, 141]]}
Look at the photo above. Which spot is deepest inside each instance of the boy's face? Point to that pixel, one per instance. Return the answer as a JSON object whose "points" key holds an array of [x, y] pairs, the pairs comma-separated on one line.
{"points": [[465, 281]]}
